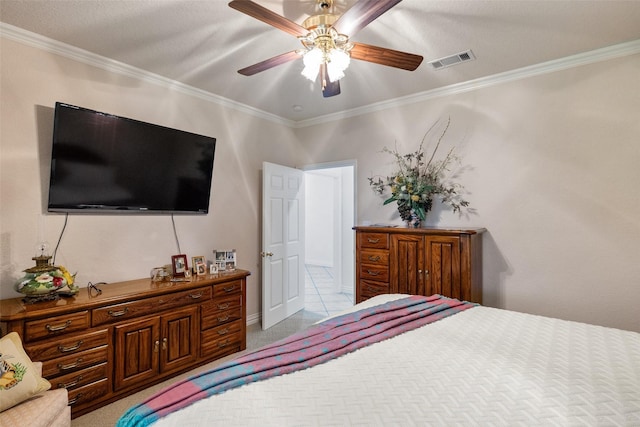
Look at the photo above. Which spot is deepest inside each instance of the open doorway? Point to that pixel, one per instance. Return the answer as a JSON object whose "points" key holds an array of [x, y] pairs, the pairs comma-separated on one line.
{"points": [[329, 238]]}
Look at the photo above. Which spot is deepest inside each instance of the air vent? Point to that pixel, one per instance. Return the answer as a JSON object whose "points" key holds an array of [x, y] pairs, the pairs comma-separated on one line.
{"points": [[453, 60]]}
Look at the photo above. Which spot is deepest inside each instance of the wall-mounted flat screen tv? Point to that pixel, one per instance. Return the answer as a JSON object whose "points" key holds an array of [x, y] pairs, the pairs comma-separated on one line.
{"points": [[102, 163]]}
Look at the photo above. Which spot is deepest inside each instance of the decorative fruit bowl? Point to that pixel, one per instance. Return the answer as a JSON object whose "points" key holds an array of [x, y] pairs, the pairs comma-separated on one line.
{"points": [[45, 280]]}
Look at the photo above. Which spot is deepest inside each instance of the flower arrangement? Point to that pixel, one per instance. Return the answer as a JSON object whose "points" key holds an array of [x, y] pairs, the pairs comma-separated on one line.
{"points": [[418, 180]]}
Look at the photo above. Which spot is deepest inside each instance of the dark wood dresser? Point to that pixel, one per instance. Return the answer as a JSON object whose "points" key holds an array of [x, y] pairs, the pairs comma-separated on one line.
{"points": [[102, 347], [420, 261]]}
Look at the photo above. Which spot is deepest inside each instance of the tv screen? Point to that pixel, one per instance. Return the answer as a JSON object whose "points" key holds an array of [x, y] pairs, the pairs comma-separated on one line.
{"points": [[108, 164]]}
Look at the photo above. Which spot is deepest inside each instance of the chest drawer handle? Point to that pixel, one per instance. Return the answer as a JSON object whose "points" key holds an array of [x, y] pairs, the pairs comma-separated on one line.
{"points": [[370, 240], [196, 296], [62, 349], [223, 343], [223, 319], [70, 365], [230, 288], [118, 313], [58, 328], [223, 306], [224, 331], [74, 401], [373, 273], [71, 384], [374, 258]]}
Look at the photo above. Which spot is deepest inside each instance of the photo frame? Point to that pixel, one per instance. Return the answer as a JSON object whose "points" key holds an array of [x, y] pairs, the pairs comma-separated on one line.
{"points": [[201, 269], [225, 260], [195, 260], [179, 265], [213, 268]]}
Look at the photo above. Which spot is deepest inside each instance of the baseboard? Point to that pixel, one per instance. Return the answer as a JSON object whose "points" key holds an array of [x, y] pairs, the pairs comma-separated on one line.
{"points": [[254, 318]]}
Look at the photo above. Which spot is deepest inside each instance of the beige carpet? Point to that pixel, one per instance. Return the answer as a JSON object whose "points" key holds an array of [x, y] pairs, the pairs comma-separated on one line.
{"points": [[256, 338]]}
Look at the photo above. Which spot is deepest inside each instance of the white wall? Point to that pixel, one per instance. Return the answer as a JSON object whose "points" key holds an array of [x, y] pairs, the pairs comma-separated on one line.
{"points": [[319, 218], [551, 168], [115, 248]]}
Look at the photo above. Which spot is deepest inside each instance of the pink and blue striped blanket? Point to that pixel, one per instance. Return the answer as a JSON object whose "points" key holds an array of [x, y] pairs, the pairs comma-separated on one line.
{"points": [[317, 344]]}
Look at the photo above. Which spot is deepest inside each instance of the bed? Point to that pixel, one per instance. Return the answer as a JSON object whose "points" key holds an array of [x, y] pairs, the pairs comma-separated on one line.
{"points": [[476, 366]]}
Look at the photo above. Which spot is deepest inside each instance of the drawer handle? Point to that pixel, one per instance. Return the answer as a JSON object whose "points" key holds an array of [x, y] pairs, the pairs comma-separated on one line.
{"points": [[223, 319], [223, 343], [196, 296], [164, 344], [230, 288], [224, 331], [373, 273], [223, 306], [62, 349], [71, 365], [156, 345], [374, 258], [71, 384], [370, 289], [118, 313], [74, 401], [58, 328], [370, 240]]}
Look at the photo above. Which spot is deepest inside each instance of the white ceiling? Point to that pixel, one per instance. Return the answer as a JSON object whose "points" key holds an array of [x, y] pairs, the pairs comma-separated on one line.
{"points": [[203, 43]]}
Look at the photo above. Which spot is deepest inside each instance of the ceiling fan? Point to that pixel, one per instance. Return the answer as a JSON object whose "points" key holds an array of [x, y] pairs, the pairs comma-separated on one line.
{"points": [[325, 37]]}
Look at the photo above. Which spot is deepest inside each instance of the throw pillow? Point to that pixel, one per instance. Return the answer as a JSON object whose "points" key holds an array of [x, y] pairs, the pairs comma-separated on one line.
{"points": [[19, 379]]}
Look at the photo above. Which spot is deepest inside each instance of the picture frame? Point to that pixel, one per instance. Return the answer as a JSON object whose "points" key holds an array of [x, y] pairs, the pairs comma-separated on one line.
{"points": [[179, 265], [195, 260], [213, 268], [201, 269], [225, 260]]}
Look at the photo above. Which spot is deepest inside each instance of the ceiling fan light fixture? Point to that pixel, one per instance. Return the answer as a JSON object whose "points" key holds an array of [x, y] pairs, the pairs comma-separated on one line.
{"points": [[338, 62], [312, 59]]}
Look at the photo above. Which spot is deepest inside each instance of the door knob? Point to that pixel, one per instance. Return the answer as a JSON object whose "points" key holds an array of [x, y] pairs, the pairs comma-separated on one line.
{"points": [[264, 254]]}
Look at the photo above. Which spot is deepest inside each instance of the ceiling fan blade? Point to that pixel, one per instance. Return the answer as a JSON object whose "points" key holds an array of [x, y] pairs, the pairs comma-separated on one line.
{"points": [[265, 15], [331, 89], [384, 56], [269, 63], [362, 14]]}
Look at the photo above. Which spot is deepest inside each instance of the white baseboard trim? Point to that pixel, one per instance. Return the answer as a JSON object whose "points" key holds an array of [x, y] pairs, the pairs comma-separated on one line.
{"points": [[254, 318]]}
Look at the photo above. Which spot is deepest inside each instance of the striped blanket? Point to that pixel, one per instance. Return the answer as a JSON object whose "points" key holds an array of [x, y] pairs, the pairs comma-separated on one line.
{"points": [[317, 344]]}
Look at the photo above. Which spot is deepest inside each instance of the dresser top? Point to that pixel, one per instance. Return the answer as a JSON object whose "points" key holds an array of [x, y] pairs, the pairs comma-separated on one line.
{"points": [[381, 228], [112, 293]]}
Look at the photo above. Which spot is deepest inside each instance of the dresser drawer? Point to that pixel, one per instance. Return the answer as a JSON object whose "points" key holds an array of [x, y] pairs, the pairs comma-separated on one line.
{"points": [[88, 394], [67, 345], [370, 289], [374, 257], [229, 288], [80, 378], [136, 309], [373, 240], [374, 272], [52, 326], [63, 365], [222, 310], [223, 339]]}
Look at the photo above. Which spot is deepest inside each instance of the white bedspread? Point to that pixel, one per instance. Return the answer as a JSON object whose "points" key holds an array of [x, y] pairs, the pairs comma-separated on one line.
{"points": [[483, 366]]}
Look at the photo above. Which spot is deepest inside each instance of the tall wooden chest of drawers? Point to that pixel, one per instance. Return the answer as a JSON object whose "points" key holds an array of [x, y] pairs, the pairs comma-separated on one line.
{"points": [[420, 261]]}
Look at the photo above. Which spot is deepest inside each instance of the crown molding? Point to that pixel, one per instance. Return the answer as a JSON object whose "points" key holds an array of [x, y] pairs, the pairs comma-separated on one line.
{"points": [[35, 40], [598, 55], [53, 46]]}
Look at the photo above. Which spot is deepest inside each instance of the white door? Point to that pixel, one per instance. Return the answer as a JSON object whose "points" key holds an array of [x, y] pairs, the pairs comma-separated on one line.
{"points": [[282, 243]]}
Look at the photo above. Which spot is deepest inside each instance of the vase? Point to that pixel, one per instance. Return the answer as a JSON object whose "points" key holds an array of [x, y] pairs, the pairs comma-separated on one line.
{"points": [[414, 220]]}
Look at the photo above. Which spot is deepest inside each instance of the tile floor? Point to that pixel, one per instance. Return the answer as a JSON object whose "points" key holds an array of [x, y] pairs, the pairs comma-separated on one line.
{"points": [[320, 294]]}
